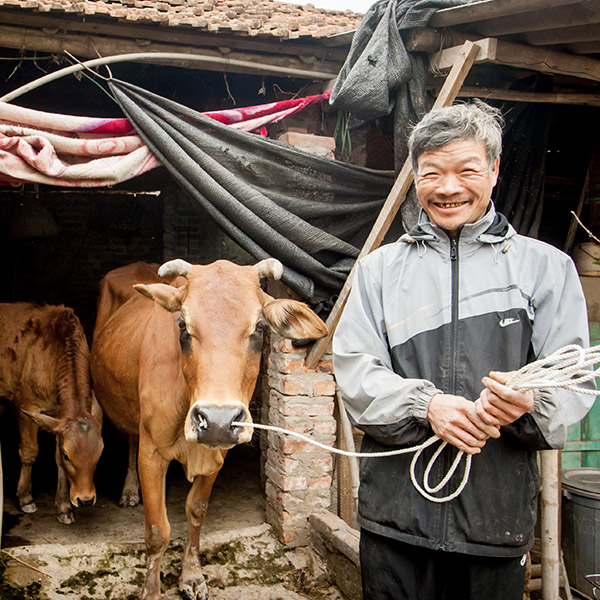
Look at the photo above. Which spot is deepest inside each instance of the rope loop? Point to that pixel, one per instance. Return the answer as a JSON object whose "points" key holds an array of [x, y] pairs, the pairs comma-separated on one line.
{"points": [[567, 368]]}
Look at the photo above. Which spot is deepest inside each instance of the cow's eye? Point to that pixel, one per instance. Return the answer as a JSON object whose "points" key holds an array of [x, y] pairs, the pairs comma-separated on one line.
{"points": [[66, 457], [261, 326], [184, 336]]}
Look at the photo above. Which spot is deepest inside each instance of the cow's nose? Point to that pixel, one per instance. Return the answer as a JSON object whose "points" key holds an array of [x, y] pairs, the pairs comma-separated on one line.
{"points": [[87, 502], [212, 425]]}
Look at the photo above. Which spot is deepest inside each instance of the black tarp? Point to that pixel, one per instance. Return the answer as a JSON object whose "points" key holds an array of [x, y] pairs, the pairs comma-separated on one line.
{"points": [[311, 213]]}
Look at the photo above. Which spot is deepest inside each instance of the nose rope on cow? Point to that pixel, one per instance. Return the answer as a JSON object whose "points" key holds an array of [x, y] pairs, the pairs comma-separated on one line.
{"points": [[567, 368]]}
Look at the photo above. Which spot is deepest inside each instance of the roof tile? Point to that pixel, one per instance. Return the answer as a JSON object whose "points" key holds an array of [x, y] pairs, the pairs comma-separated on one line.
{"points": [[243, 17]]}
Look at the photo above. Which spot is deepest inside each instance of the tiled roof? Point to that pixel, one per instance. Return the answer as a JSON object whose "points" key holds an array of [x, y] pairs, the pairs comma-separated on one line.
{"points": [[242, 17]]}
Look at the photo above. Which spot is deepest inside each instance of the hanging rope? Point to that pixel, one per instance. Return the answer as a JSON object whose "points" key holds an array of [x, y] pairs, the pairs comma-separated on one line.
{"points": [[567, 368]]}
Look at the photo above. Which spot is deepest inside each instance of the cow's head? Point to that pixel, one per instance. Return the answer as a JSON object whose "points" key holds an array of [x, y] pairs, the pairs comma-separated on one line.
{"points": [[78, 448], [223, 313]]}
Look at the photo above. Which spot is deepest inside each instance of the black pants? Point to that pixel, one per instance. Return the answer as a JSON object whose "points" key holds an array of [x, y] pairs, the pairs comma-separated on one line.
{"points": [[392, 570]]}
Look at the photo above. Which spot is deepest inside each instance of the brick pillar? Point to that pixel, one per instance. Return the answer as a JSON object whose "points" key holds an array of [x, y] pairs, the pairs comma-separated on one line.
{"points": [[298, 475]]}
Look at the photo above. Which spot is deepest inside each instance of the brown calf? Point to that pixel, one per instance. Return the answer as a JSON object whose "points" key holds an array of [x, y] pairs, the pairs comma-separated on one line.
{"points": [[44, 372]]}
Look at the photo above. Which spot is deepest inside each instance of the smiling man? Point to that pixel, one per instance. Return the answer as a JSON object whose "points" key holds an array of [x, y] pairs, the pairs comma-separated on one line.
{"points": [[433, 326]]}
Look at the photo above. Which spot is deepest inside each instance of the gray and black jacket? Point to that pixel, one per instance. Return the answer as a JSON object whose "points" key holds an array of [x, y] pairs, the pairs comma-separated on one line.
{"points": [[429, 315]]}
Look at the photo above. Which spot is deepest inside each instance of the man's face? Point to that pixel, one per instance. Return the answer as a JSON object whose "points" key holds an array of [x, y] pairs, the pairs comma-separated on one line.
{"points": [[454, 184]]}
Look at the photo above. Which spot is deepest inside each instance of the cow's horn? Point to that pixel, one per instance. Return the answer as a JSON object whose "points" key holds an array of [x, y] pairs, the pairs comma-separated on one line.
{"points": [[270, 267], [175, 267]]}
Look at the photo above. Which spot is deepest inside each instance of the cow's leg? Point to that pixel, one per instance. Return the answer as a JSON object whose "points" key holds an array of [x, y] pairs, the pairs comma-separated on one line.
{"points": [[130, 495], [64, 510], [152, 470], [28, 451], [191, 583]]}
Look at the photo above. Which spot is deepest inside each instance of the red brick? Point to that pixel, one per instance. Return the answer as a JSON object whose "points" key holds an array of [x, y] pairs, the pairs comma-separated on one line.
{"points": [[326, 427], [290, 483], [325, 366], [324, 388], [320, 483]]}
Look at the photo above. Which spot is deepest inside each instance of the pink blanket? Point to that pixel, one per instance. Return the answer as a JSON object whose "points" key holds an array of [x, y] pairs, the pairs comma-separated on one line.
{"points": [[64, 150]]}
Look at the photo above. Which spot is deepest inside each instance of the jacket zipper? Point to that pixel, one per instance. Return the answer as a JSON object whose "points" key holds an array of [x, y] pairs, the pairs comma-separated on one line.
{"points": [[454, 341], [454, 305]]}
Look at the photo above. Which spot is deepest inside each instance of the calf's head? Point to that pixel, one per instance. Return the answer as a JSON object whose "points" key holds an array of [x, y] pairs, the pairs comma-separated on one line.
{"points": [[78, 448], [222, 315]]}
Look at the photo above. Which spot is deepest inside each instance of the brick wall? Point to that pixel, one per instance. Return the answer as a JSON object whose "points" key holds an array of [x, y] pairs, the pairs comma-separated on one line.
{"points": [[298, 475], [99, 230]]}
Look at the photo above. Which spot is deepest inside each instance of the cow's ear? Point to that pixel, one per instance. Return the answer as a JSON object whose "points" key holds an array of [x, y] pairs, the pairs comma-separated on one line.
{"points": [[293, 319], [167, 296], [96, 411], [43, 421]]}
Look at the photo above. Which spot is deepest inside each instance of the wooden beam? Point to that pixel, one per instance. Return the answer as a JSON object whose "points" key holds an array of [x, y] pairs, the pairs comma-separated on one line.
{"points": [[491, 9], [90, 46], [53, 25], [484, 93], [444, 59], [394, 200], [566, 35], [339, 39], [511, 54], [584, 47], [548, 19]]}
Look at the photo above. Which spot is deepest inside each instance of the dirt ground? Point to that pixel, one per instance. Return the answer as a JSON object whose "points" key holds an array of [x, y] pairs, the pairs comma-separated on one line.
{"points": [[102, 555]]}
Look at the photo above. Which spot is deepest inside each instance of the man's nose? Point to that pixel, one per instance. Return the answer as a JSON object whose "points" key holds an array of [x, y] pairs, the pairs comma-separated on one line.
{"points": [[449, 184]]}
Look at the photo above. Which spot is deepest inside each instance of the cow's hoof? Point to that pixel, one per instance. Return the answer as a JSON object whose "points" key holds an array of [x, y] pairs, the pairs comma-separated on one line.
{"points": [[29, 508], [195, 589], [66, 518], [129, 500]]}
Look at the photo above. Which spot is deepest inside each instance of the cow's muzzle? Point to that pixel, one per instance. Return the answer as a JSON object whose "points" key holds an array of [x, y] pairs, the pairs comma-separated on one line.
{"points": [[212, 425]]}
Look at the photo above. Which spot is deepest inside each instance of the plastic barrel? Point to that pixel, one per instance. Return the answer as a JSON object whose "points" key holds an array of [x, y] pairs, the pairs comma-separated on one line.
{"points": [[581, 526]]}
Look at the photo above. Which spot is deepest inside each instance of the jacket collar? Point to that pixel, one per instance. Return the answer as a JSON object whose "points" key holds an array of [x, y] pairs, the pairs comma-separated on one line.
{"points": [[492, 228]]}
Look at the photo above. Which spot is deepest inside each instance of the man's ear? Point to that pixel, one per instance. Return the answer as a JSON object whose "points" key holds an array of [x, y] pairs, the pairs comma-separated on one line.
{"points": [[167, 296], [293, 319], [496, 171]]}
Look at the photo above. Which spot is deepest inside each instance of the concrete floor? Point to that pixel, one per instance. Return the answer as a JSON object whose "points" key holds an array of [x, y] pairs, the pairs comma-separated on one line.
{"points": [[102, 555]]}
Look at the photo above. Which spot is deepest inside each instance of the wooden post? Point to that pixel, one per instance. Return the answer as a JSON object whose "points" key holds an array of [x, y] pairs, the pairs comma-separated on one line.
{"points": [[1, 496], [550, 502], [395, 198], [348, 476], [573, 226]]}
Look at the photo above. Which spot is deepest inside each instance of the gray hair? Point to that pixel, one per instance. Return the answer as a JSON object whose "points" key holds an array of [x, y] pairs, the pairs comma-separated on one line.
{"points": [[442, 126]]}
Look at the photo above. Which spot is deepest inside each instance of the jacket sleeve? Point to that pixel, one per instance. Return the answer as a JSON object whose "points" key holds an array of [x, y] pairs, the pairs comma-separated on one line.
{"points": [[560, 319], [389, 408]]}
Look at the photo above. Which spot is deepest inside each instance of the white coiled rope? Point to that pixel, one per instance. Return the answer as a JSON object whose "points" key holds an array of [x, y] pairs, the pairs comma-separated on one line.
{"points": [[567, 368]]}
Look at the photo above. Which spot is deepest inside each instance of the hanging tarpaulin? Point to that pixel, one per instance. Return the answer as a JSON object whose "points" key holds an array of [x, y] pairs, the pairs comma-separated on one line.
{"points": [[74, 151], [275, 200], [64, 150]]}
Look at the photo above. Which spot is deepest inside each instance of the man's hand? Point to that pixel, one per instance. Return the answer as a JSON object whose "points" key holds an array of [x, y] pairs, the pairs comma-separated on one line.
{"points": [[500, 405], [455, 420]]}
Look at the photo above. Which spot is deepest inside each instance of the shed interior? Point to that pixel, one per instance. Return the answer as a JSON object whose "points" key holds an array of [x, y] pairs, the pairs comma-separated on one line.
{"points": [[83, 233]]}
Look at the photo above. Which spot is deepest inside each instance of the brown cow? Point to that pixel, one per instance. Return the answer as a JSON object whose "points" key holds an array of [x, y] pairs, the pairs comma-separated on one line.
{"points": [[44, 372], [116, 288], [181, 381]]}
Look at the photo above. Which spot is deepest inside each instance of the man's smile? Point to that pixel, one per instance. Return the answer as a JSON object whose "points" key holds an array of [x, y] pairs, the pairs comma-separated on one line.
{"points": [[448, 205]]}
